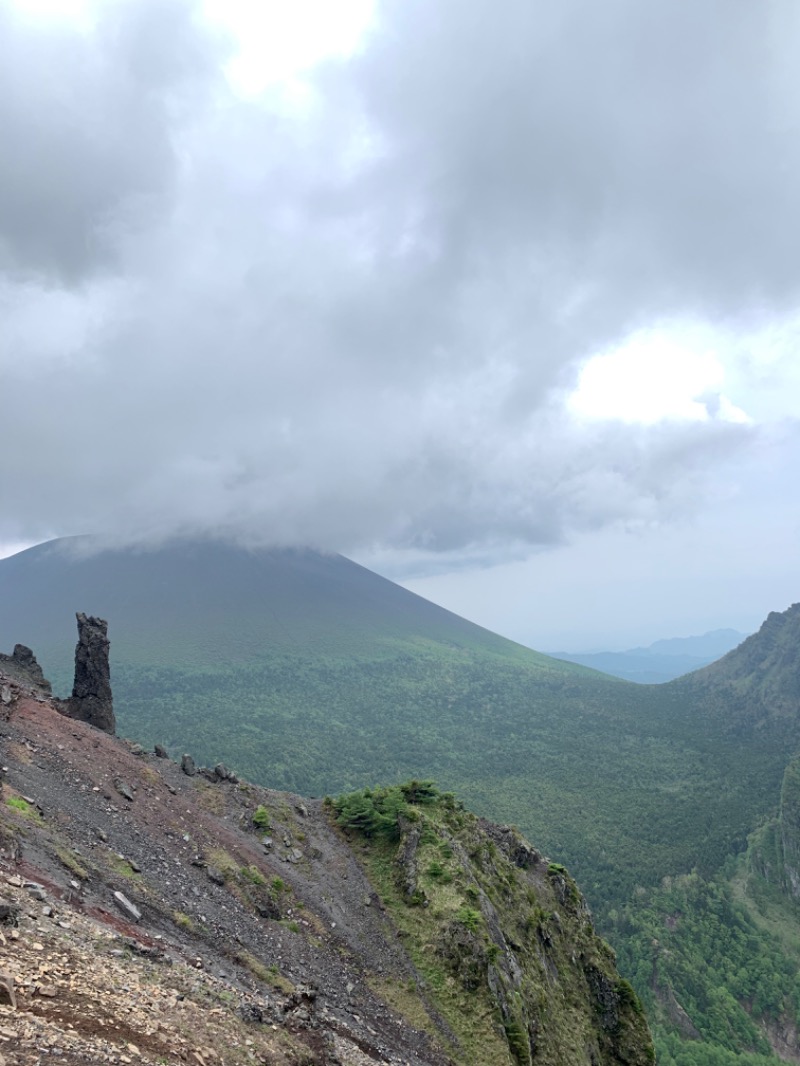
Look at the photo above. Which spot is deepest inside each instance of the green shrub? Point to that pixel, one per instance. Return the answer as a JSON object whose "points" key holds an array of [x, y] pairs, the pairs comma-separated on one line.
{"points": [[252, 874], [628, 996], [517, 1040], [437, 872], [261, 818], [372, 812], [469, 918], [419, 791]]}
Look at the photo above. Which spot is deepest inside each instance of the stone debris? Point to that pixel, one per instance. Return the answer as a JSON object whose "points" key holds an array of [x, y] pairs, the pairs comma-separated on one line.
{"points": [[7, 988], [86, 1000], [128, 908], [8, 909], [157, 930], [124, 790]]}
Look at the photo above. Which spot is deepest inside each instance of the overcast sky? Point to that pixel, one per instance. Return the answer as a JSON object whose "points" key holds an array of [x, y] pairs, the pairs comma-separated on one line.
{"points": [[501, 298]]}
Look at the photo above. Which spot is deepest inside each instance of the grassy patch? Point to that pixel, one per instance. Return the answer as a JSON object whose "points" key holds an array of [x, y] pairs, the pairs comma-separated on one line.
{"points": [[210, 797], [183, 921], [17, 803], [122, 867], [404, 997], [278, 981], [72, 863], [252, 875], [256, 968], [224, 862]]}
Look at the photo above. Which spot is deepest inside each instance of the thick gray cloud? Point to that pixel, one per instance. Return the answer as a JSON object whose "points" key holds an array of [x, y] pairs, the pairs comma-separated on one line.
{"points": [[355, 324], [85, 121]]}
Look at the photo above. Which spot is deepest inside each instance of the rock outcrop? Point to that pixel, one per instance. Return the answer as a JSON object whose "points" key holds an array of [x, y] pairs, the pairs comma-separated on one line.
{"points": [[91, 699], [22, 666], [498, 931]]}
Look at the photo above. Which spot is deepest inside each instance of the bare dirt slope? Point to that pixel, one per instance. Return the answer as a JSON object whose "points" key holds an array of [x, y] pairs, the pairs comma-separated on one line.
{"points": [[243, 952]]}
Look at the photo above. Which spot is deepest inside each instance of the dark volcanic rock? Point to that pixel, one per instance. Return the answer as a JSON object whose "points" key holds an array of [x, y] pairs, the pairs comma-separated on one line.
{"points": [[22, 666], [91, 692]]}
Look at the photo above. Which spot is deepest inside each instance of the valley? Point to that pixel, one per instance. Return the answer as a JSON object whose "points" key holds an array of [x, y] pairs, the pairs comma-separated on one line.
{"points": [[309, 674]]}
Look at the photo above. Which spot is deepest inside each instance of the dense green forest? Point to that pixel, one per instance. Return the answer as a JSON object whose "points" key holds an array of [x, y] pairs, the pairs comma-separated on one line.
{"points": [[706, 969], [623, 792]]}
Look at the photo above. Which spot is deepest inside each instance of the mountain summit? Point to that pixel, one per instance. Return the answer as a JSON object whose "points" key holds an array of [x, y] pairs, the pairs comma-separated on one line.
{"points": [[193, 600]]}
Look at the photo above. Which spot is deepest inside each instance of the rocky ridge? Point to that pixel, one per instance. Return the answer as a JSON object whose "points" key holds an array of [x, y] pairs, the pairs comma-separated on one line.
{"points": [[152, 912]]}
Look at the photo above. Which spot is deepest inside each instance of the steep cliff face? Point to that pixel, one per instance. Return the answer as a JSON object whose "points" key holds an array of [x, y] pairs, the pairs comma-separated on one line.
{"points": [[759, 680], [154, 915], [497, 931], [789, 821], [775, 848]]}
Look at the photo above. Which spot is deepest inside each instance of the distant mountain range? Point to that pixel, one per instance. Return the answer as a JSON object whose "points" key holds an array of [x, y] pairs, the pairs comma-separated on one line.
{"points": [[662, 660]]}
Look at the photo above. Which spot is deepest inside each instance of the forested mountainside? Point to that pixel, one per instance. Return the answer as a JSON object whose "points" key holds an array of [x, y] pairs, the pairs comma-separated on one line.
{"points": [[649, 794], [159, 913]]}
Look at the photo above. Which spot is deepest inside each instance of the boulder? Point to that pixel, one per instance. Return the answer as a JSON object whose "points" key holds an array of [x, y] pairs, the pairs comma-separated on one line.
{"points": [[7, 988], [129, 909], [22, 666], [8, 911], [124, 789]]}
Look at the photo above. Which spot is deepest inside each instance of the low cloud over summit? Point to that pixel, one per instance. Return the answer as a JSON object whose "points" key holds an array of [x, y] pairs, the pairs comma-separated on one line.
{"points": [[349, 311]]}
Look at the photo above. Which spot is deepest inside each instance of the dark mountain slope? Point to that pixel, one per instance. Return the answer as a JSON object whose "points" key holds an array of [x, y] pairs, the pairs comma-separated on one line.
{"points": [[196, 603], [759, 680]]}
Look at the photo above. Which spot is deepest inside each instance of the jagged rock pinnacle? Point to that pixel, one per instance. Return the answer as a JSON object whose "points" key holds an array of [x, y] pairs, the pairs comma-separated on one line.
{"points": [[91, 699]]}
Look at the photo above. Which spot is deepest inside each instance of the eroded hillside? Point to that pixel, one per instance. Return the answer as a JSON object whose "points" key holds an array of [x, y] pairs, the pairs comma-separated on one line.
{"points": [[150, 914]]}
